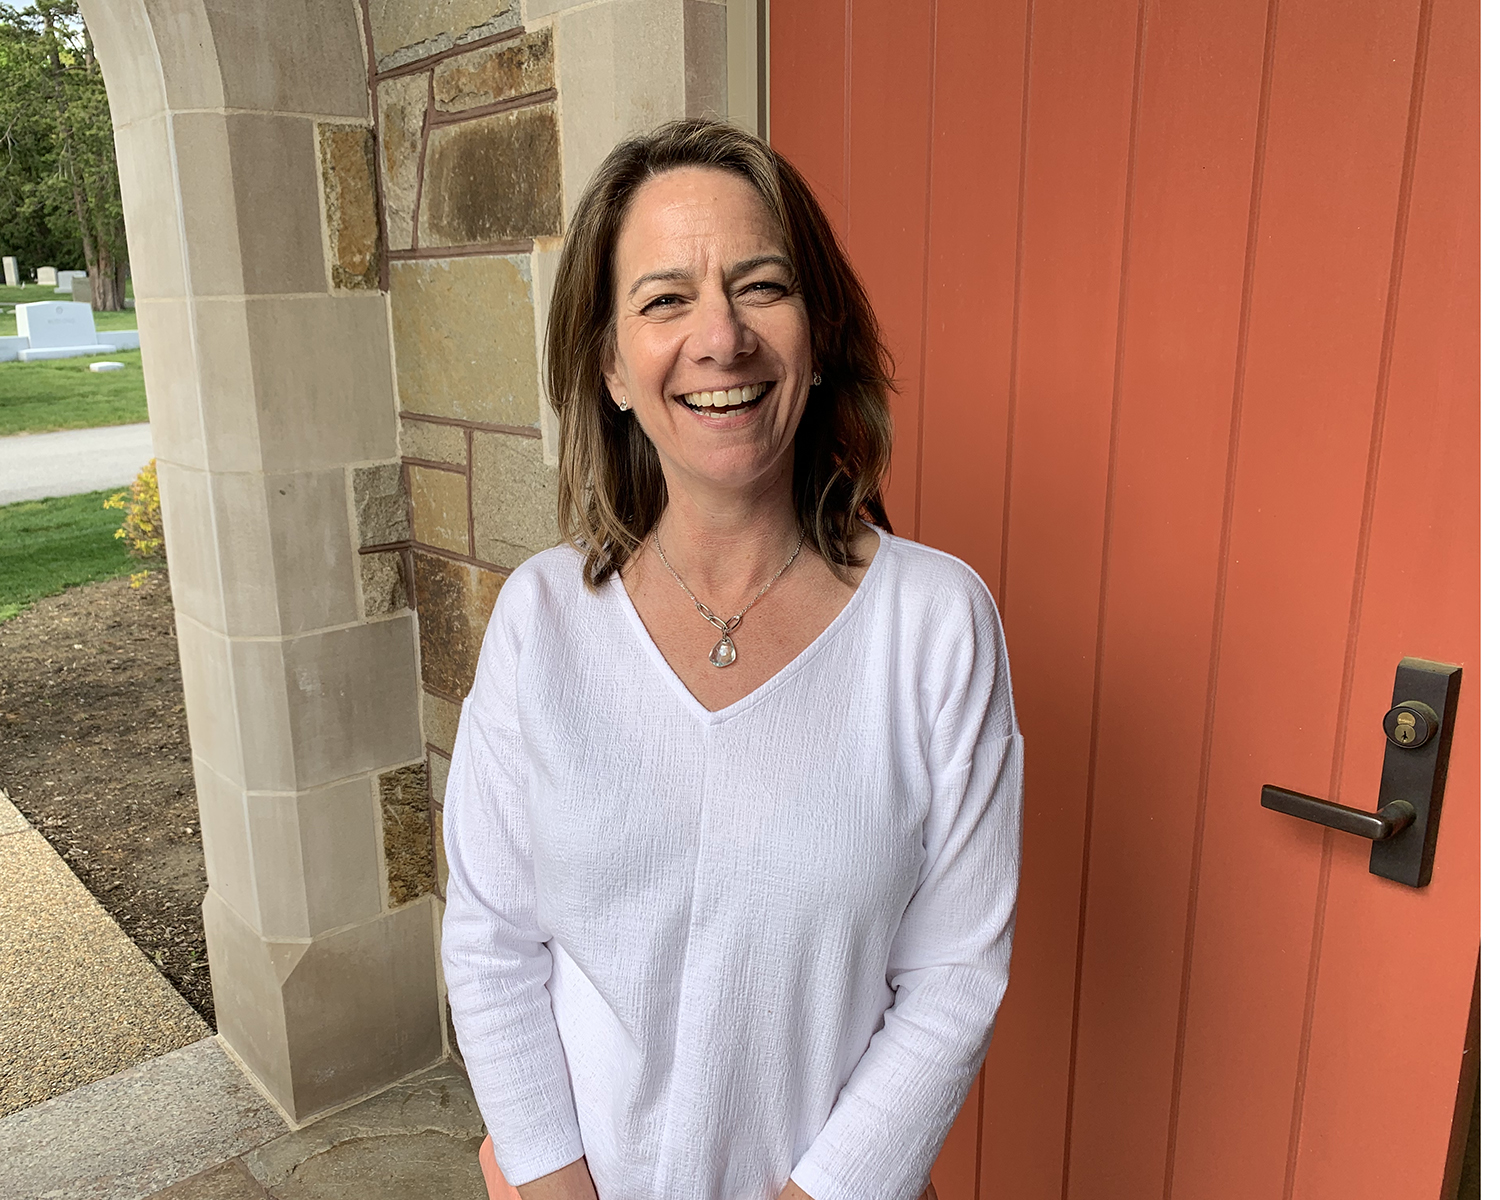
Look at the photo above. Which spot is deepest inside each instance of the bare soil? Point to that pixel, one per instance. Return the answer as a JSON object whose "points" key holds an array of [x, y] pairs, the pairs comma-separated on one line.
{"points": [[94, 751]]}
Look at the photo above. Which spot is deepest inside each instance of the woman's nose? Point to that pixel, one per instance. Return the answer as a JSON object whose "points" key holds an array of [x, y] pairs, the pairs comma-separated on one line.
{"points": [[719, 333]]}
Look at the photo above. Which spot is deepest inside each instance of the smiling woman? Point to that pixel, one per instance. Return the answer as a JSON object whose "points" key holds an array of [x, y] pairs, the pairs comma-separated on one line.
{"points": [[730, 908]]}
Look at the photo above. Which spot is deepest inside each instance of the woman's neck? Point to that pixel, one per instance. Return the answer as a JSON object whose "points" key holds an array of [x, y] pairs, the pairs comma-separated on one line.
{"points": [[725, 546]]}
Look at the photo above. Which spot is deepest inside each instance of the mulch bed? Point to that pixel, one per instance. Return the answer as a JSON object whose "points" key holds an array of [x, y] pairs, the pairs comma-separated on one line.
{"points": [[94, 751]]}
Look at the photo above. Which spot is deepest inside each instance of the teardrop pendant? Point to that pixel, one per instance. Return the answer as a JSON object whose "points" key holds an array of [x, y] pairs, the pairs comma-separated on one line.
{"points": [[724, 653]]}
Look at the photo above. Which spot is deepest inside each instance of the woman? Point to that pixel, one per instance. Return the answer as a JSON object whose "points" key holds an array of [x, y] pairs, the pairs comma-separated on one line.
{"points": [[733, 823]]}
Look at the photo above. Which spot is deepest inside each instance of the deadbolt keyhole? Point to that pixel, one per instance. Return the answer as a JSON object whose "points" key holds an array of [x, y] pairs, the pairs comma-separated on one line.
{"points": [[1410, 724]]}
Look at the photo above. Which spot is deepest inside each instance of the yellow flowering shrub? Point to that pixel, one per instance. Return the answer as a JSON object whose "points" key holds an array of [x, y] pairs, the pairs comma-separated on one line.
{"points": [[140, 529]]}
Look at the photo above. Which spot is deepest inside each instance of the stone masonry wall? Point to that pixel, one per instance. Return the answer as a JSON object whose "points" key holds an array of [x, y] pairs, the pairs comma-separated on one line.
{"points": [[490, 115]]}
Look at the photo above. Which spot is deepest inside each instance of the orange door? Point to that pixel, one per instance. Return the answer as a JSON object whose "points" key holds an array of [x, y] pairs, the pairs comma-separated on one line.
{"points": [[1184, 300]]}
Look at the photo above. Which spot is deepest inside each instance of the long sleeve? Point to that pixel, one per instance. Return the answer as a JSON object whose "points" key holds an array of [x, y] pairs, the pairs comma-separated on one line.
{"points": [[494, 956], [949, 961]]}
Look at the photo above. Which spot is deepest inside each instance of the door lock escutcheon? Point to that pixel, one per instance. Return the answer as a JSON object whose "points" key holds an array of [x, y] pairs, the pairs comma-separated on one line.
{"points": [[1419, 734]]}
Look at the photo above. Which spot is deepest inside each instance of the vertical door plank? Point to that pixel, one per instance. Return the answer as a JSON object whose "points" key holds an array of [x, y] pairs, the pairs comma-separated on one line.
{"points": [[1081, 82], [891, 92], [1334, 148], [807, 55], [971, 289], [1189, 219], [1397, 964], [956, 1172]]}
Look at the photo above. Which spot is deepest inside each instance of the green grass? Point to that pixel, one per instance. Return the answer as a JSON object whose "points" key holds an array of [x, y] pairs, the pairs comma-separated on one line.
{"points": [[11, 296], [62, 393], [49, 545]]}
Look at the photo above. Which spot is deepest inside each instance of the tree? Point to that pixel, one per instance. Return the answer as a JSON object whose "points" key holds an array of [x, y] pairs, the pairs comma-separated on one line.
{"points": [[59, 187]]}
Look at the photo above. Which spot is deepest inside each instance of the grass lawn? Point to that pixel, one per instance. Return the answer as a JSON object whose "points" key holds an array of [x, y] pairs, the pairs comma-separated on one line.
{"points": [[11, 296], [49, 545], [62, 393]]}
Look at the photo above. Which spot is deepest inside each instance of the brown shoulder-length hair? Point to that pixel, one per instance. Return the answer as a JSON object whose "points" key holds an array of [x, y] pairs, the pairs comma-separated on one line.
{"points": [[611, 491]]}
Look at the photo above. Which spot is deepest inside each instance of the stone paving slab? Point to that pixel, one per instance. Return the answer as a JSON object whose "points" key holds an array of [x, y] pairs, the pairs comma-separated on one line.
{"points": [[419, 1138], [131, 1135], [80, 1000]]}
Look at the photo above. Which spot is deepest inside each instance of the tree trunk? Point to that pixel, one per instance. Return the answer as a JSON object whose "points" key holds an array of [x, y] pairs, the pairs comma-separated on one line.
{"points": [[107, 281]]}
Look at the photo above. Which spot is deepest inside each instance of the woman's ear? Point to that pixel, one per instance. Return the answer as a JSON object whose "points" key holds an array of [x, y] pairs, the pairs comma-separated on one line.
{"points": [[612, 380]]}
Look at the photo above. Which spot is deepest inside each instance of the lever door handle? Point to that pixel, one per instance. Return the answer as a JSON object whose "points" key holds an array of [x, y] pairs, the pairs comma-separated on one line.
{"points": [[1419, 733], [1377, 826]]}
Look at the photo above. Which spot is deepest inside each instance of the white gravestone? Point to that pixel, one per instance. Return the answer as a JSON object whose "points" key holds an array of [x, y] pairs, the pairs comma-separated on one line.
{"points": [[46, 276], [12, 274], [64, 285], [58, 329]]}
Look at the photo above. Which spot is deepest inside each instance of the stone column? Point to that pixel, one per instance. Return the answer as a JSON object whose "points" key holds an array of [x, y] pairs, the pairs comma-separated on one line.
{"points": [[247, 173]]}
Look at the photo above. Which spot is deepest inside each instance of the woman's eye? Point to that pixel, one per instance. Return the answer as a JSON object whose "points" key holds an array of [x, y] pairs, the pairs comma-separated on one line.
{"points": [[763, 289], [661, 303]]}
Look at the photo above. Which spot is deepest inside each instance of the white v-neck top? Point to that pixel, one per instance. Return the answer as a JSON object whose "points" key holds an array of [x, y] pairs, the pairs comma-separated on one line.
{"points": [[710, 950]]}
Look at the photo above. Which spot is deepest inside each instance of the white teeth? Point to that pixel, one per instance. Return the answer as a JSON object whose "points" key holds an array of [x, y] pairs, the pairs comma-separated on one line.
{"points": [[731, 398]]}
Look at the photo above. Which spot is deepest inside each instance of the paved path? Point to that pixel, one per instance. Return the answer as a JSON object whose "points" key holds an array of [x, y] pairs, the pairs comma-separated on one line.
{"points": [[79, 1000], [36, 465]]}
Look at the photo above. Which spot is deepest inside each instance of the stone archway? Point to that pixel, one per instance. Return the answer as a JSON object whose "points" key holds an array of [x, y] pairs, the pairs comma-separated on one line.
{"points": [[272, 408], [343, 351]]}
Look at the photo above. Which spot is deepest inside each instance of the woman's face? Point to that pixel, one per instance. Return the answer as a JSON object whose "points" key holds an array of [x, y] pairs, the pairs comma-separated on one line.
{"points": [[712, 346]]}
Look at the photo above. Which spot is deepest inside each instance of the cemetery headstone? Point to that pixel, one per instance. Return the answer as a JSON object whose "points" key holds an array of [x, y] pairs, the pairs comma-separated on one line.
{"points": [[46, 276], [100, 367], [82, 291], [64, 285], [12, 272], [58, 329]]}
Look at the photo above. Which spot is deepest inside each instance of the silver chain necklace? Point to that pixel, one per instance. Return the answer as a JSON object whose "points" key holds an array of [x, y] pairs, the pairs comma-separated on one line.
{"points": [[723, 654]]}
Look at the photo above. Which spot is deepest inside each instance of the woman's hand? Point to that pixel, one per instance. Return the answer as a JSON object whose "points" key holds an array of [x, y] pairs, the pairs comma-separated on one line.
{"points": [[793, 1192], [573, 1182]]}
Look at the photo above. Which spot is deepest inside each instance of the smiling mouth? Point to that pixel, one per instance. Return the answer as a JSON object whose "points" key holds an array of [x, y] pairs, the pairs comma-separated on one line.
{"points": [[722, 404]]}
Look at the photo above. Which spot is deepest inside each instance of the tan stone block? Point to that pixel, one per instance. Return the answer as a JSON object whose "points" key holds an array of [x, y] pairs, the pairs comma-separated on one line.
{"points": [[432, 442], [324, 1021], [382, 583], [353, 700], [148, 193], [226, 846], [247, 973], [403, 112], [260, 555], [346, 159], [464, 341], [439, 727], [208, 688], [192, 544], [171, 371], [492, 179], [380, 513], [249, 185], [224, 54], [362, 1007], [515, 499], [405, 807], [454, 601], [440, 855], [406, 30], [315, 858], [546, 256], [286, 558], [705, 60], [296, 383], [128, 58], [440, 508], [620, 65], [325, 706], [495, 73]]}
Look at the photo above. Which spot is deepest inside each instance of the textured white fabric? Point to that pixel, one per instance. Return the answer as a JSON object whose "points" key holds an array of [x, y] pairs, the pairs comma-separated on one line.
{"points": [[711, 950]]}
